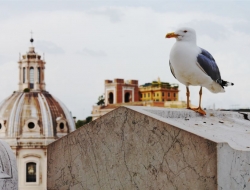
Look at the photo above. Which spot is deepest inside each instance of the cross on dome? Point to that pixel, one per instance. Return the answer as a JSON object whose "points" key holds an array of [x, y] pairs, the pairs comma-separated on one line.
{"points": [[31, 39]]}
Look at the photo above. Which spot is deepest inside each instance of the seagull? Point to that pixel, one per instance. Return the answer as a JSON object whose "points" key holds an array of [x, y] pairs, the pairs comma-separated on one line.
{"points": [[192, 65]]}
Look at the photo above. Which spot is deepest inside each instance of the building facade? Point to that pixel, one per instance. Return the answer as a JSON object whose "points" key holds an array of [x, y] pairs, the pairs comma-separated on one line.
{"points": [[155, 94], [159, 91], [30, 119], [120, 91]]}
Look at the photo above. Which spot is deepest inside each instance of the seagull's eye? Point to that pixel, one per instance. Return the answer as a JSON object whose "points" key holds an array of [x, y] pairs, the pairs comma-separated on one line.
{"points": [[185, 31]]}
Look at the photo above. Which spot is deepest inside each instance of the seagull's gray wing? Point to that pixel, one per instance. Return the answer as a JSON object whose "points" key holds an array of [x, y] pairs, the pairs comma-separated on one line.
{"points": [[208, 65], [171, 69]]}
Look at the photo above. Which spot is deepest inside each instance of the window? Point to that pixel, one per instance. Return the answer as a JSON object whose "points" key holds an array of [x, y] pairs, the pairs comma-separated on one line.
{"points": [[24, 75], [163, 100], [144, 95], [61, 125], [163, 94], [31, 172], [168, 94], [111, 98], [157, 94], [31, 77], [31, 125], [0, 125], [174, 94], [127, 97], [148, 94]]}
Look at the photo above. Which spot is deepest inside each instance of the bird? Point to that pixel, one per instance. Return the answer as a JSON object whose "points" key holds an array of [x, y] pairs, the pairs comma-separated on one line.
{"points": [[194, 66]]}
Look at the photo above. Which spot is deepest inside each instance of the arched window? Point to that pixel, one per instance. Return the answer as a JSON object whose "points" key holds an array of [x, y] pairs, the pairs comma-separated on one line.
{"points": [[24, 75], [111, 98], [127, 96], [38, 74], [31, 172], [31, 77]]}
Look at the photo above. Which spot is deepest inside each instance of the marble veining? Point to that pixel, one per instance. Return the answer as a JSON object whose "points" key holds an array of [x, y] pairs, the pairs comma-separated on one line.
{"points": [[129, 150], [233, 168]]}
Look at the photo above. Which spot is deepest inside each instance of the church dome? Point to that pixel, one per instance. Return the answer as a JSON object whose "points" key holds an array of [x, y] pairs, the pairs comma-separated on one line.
{"points": [[34, 114], [30, 119], [32, 111]]}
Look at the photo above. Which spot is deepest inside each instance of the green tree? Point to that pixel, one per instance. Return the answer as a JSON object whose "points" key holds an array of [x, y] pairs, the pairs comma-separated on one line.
{"points": [[101, 100], [80, 123], [88, 119]]}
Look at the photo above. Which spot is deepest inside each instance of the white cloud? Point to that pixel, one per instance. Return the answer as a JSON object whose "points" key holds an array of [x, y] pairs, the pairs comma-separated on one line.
{"points": [[120, 42]]}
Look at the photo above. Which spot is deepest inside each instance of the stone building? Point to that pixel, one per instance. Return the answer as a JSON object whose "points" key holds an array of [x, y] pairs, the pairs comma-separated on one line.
{"points": [[30, 119], [118, 91], [155, 94], [159, 91], [135, 147]]}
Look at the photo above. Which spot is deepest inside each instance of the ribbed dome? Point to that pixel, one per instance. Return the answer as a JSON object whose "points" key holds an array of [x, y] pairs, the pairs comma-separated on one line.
{"points": [[34, 114], [30, 119]]}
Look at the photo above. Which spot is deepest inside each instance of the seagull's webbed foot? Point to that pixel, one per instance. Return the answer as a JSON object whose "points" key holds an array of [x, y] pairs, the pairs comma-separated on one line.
{"points": [[198, 110]]}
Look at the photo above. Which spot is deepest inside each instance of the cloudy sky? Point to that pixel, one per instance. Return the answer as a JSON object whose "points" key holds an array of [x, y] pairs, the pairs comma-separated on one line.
{"points": [[86, 42]]}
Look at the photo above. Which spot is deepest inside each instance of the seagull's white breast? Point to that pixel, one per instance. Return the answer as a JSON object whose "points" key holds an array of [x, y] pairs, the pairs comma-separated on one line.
{"points": [[183, 58]]}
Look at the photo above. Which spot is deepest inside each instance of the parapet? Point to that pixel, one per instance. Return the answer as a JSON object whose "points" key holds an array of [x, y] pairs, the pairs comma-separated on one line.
{"points": [[121, 81], [108, 81], [154, 148], [134, 82]]}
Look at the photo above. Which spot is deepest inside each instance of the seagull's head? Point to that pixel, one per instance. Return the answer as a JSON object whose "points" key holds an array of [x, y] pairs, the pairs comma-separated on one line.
{"points": [[183, 34]]}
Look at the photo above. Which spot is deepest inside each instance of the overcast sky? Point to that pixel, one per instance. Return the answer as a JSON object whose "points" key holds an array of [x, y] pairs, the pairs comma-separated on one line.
{"points": [[86, 42]]}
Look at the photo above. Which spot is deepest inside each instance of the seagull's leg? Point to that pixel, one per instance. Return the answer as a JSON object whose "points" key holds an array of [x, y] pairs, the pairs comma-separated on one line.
{"points": [[188, 94], [199, 109]]}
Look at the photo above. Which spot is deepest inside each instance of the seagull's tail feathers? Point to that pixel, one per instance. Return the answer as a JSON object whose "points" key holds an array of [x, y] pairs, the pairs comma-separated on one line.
{"points": [[214, 87], [218, 86], [224, 83]]}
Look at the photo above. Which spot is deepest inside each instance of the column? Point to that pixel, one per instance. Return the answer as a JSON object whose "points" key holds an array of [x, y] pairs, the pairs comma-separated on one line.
{"points": [[43, 74], [27, 72], [20, 74], [35, 78], [35, 75], [42, 78]]}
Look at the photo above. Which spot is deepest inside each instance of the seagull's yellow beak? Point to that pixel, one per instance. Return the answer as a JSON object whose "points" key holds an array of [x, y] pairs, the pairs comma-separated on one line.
{"points": [[171, 35]]}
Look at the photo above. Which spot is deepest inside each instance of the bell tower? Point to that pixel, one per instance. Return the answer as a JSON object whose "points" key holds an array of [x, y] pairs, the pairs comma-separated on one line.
{"points": [[31, 70]]}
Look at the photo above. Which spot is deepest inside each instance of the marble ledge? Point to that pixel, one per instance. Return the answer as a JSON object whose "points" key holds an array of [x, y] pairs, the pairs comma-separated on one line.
{"points": [[218, 126]]}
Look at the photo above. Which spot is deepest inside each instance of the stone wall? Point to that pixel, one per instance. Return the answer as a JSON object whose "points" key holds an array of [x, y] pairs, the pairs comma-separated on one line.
{"points": [[129, 150], [233, 168]]}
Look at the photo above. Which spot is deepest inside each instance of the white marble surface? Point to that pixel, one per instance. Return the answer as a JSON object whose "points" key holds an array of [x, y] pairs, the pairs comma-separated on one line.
{"points": [[233, 168], [153, 148], [217, 126], [8, 168]]}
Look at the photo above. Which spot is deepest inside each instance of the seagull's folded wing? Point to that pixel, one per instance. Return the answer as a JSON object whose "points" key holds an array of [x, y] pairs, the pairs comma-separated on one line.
{"points": [[207, 64]]}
